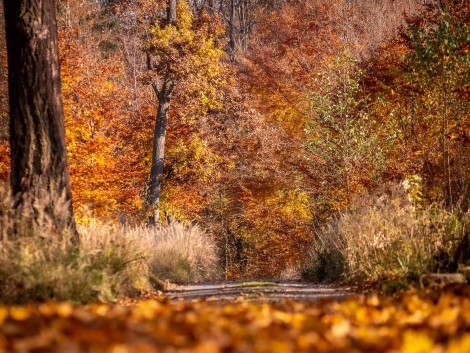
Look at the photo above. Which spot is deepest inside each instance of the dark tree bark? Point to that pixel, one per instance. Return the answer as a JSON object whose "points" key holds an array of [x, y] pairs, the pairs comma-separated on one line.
{"points": [[210, 6], [231, 26], [158, 154], [39, 177]]}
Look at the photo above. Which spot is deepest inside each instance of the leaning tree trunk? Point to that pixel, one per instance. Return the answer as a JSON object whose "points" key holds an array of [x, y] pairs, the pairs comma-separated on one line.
{"points": [[39, 178], [158, 154]]}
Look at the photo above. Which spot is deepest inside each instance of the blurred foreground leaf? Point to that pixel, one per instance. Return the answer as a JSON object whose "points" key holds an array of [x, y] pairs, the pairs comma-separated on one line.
{"points": [[411, 324]]}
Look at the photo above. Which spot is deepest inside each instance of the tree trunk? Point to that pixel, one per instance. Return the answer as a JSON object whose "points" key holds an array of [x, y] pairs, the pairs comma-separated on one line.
{"points": [[241, 259], [39, 177], [171, 12], [210, 7], [158, 154], [231, 42]]}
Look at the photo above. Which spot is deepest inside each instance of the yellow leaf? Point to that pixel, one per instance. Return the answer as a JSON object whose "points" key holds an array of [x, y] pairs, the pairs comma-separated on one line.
{"points": [[19, 313], [3, 314], [461, 345], [416, 342]]}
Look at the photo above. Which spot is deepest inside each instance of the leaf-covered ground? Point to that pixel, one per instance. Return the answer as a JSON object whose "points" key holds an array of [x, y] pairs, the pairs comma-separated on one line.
{"points": [[411, 324]]}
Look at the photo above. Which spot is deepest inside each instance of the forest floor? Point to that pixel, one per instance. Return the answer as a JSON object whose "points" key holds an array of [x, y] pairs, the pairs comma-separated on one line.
{"points": [[245, 317]]}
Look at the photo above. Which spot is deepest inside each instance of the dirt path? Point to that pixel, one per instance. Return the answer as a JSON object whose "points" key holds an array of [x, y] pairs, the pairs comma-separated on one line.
{"points": [[256, 290]]}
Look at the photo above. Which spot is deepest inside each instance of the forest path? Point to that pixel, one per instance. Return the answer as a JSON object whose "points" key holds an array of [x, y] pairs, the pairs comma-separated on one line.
{"points": [[256, 290]]}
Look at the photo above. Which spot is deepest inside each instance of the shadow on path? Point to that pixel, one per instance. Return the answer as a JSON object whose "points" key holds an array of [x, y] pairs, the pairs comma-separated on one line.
{"points": [[263, 290]]}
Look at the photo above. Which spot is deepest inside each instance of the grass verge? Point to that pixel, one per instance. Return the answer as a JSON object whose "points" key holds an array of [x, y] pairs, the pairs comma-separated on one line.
{"points": [[387, 237], [108, 262]]}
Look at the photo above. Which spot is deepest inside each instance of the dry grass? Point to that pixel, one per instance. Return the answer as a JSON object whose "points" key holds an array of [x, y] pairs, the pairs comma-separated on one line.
{"points": [[109, 261], [291, 273], [384, 237], [5, 200], [183, 254], [176, 252]]}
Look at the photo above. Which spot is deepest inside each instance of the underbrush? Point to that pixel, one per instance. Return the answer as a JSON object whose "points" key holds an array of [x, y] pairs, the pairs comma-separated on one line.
{"points": [[108, 262], [387, 237]]}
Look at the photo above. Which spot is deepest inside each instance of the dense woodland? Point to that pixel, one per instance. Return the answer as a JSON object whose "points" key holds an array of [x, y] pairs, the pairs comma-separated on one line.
{"points": [[146, 144], [260, 120]]}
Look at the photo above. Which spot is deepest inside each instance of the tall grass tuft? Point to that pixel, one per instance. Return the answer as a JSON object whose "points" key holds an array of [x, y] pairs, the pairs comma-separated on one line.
{"points": [[386, 236], [183, 254], [108, 262]]}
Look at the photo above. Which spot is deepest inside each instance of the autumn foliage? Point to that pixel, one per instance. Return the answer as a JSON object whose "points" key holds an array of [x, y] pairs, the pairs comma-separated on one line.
{"points": [[282, 114], [409, 324]]}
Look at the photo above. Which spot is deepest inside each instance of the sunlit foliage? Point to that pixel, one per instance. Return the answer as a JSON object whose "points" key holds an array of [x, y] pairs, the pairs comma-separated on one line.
{"points": [[320, 102]]}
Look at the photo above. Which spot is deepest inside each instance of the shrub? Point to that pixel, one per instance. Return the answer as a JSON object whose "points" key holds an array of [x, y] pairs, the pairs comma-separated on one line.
{"points": [[386, 236]]}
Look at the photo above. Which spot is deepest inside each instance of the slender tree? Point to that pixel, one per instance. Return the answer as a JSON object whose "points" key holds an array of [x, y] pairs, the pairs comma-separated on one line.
{"points": [[158, 154], [39, 177], [183, 57]]}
